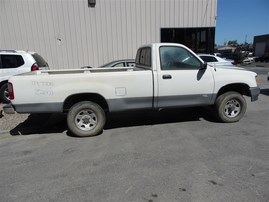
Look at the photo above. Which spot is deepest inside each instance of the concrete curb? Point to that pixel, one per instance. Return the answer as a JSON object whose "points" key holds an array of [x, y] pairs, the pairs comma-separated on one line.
{"points": [[4, 132]]}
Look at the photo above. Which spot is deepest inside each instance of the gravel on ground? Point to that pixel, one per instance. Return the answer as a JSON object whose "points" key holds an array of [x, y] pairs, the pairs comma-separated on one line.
{"points": [[10, 121]]}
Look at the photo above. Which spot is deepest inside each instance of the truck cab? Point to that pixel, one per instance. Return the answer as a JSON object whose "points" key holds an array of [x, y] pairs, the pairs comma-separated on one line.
{"points": [[181, 77]]}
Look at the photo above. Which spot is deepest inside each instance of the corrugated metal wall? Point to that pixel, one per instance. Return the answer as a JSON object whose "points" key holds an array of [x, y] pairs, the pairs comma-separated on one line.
{"points": [[69, 34]]}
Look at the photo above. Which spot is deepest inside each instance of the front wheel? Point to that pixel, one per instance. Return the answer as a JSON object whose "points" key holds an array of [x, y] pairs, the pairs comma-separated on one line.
{"points": [[230, 107], [86, 119]]}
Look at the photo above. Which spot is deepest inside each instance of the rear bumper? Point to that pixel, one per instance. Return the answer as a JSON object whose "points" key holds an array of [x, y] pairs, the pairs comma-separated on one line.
{"points": [[254, 93], [9, 109]]}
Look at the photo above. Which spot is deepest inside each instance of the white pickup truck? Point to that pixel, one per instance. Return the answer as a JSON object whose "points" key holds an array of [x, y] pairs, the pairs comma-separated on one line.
{"points": [[166, 75]]}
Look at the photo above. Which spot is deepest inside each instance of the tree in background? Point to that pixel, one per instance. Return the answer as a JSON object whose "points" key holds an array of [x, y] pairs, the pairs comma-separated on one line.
{"points": [[232, 43]]}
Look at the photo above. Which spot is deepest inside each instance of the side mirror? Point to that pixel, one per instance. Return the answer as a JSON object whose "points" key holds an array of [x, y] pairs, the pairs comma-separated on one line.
{"points": [[204, 66]]}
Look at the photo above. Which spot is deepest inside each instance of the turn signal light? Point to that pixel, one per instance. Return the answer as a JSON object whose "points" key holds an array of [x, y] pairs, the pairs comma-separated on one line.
{"points": [[257, 79]]}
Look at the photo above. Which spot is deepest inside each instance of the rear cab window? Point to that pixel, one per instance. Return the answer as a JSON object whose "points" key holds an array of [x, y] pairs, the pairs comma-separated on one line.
{"points": [[143, 58]]}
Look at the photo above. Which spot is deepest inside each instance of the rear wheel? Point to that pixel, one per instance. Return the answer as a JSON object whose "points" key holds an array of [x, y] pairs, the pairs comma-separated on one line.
{"points": [[230, 107], [4, 94], [86, 119]]}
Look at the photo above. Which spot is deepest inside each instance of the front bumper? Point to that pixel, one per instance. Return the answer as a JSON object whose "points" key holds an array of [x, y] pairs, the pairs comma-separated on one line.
{"points": [[9, 109], [254, 93]]}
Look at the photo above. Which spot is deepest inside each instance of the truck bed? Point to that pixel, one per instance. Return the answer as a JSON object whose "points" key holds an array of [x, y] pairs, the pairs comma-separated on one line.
{"points": [[79, 71], [48, 89]]}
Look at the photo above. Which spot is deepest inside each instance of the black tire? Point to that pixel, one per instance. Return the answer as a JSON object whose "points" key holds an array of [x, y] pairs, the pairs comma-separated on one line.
{"points": [[230, 107], [4, 95], [86, 119]]}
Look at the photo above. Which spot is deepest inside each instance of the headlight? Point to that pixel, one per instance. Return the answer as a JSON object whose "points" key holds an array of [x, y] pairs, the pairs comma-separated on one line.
{"points": [[257, 79]]}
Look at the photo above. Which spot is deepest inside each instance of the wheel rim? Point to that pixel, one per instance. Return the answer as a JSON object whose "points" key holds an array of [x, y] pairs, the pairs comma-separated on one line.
{"points": [[86, 120], [6, 94], [232, 108]]}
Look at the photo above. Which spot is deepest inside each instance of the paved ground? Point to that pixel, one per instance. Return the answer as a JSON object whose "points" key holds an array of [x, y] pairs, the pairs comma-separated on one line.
{"points": [[179, 155]]}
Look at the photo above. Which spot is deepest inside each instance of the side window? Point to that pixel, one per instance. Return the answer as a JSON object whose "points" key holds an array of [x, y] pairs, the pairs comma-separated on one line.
{"points": [[143, 57], [11, 61], [214, 59], [120, 64], [148, 57], [177, 58], [130, 64]]}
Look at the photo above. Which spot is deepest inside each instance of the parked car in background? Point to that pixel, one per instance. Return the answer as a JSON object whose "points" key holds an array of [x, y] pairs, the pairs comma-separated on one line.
{"points": [[115, 63], [215, 60], [230, 56], [218, 54], [120, 63], [248, 60], [14, 62]]}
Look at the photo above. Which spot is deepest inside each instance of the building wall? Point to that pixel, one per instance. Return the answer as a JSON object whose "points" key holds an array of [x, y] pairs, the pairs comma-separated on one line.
{"points": [[261, 45], [69, 34]]}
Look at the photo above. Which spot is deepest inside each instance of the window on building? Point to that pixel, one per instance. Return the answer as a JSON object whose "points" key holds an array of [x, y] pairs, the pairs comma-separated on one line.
{"points": [[200, 40]]}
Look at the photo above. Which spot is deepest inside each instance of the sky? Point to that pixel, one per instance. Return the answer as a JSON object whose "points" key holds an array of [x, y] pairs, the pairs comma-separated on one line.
{"points": [[241, 20]]}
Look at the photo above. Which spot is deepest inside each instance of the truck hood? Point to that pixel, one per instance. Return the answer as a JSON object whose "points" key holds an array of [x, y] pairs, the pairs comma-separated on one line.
{"points": [[231, 67], [224, 74], [233, 70]]}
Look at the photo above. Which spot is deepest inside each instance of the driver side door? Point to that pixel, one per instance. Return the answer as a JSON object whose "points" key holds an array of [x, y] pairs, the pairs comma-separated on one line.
{"points": [[182, 80]]}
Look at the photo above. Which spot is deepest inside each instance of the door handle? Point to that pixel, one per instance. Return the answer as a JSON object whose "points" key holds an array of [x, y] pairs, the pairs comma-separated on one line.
{"points": [[167, 76]]}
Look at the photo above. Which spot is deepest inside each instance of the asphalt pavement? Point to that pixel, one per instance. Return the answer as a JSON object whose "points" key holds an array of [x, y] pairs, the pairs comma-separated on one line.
{"points": [[173, 155]]}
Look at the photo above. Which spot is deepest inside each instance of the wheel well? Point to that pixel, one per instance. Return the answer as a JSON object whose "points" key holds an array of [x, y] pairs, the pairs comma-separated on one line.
{"points": [[3, 82], [93, 97], [241, 88]]}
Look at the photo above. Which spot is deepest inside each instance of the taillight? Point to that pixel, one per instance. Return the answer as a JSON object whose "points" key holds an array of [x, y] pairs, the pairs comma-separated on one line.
{"points": [[34, 67], [11, 91]]}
